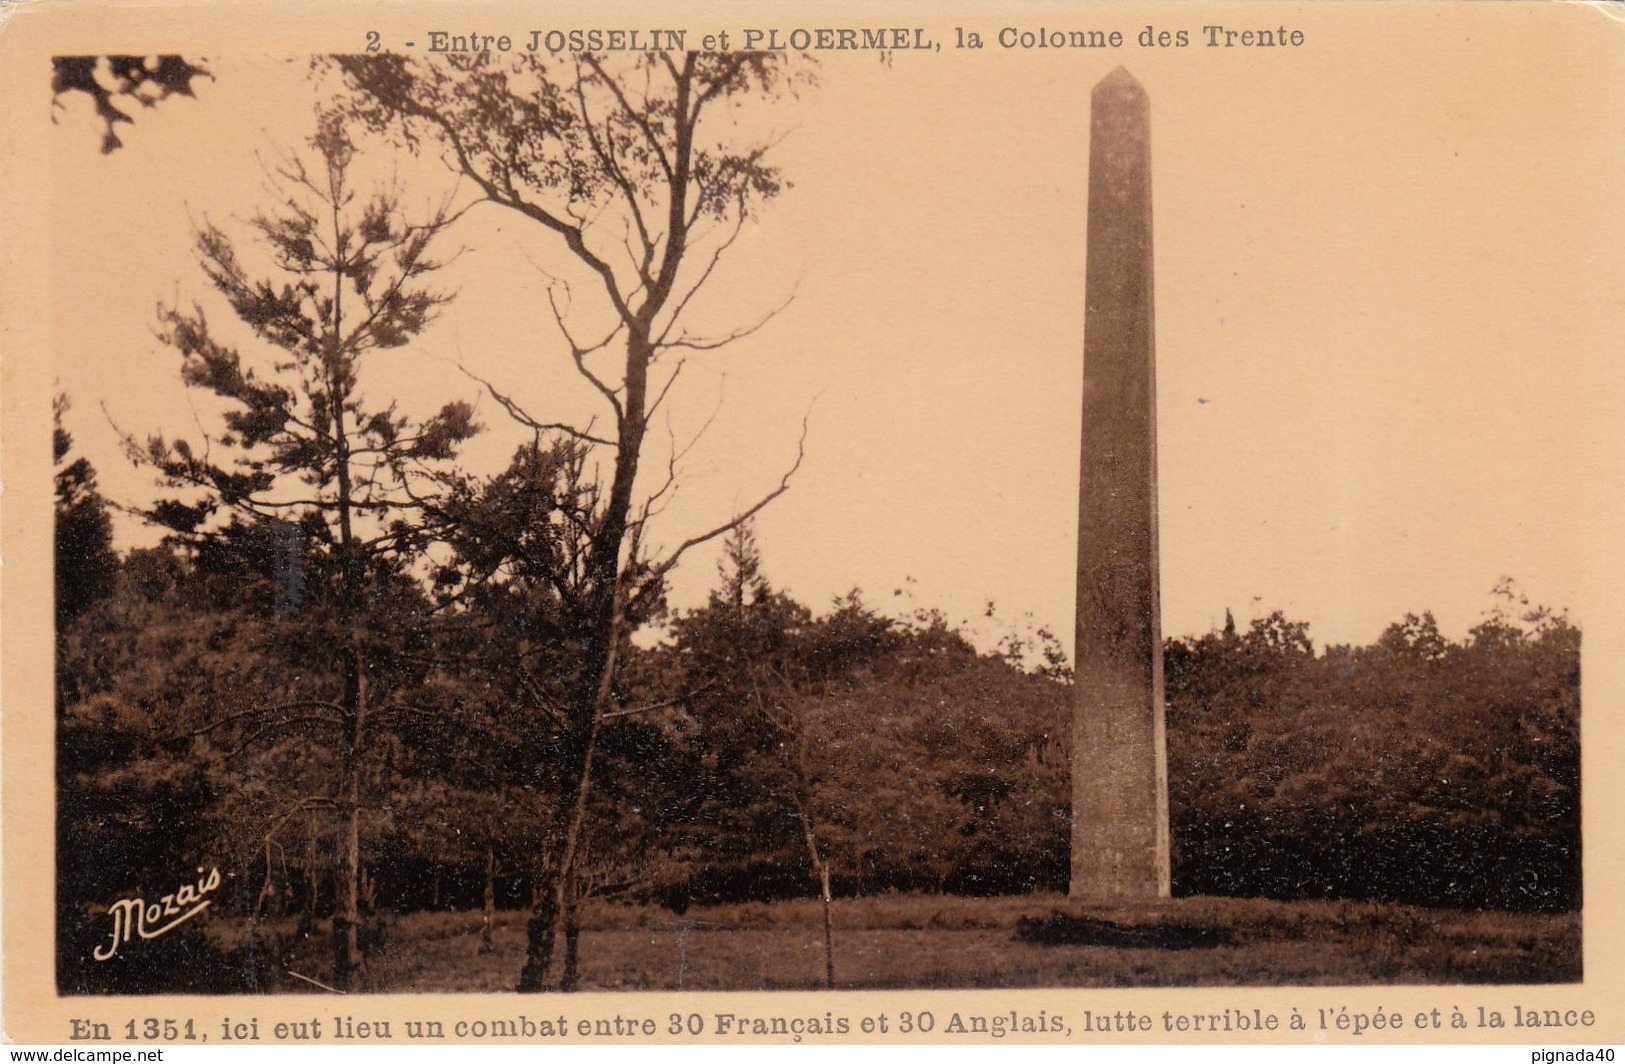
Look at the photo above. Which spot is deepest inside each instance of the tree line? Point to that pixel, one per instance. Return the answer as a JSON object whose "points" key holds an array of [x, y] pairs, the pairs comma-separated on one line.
{"points": [[1417, 769], [765, 751]]}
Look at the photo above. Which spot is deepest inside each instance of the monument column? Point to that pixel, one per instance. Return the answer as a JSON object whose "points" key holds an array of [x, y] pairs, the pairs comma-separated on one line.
{"points": [[1119, 754]]}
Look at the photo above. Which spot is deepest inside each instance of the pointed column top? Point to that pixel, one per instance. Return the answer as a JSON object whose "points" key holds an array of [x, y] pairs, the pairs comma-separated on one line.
{"points": [[1119, 82]]}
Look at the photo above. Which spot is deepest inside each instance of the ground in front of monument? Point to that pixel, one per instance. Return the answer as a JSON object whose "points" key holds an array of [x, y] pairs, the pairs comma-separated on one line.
{"points": [[903, 941]]}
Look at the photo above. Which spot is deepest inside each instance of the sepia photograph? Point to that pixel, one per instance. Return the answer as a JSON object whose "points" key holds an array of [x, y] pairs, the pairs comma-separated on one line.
{"points": [[987, 498]]}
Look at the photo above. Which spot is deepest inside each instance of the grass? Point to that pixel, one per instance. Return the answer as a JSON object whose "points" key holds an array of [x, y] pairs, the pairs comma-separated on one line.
{"points": [[918, 941]]}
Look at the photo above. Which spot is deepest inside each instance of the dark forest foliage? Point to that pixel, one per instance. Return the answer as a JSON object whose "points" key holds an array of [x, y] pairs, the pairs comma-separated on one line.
{"points": [[1416, 769]]}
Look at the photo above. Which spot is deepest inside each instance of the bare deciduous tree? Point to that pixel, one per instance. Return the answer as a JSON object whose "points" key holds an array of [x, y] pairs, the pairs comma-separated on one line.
{"points": [[635, 166]]}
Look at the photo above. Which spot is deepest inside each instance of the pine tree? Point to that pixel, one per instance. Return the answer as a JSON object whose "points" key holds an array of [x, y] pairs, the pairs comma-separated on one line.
{"points": [[311, 486]]}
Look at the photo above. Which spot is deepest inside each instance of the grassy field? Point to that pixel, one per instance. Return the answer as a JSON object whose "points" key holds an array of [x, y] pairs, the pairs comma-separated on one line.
{"points": [[913, 941]]}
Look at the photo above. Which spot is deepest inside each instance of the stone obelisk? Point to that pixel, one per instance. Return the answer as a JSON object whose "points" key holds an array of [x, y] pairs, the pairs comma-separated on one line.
{"points": [[1119, 756]]}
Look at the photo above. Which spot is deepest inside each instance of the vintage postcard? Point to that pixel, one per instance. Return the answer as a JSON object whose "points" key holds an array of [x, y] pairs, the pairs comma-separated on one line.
{"points": [[812, 522]]}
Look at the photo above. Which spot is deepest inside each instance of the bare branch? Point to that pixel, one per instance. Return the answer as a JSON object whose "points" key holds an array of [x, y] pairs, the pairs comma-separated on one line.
{"points": [[697, 344], [276, 725], [637, 117], [583, 350], [612, 166], [304, 803], [671, 67], [661, 396], [633, 711], [313, 982], [671, 560], [507, 195], [539, 697], [700, 432], [258, 710], [499, 189], [518, 413], [578, 354], [705, 274], [649, 511], [397, 709]]}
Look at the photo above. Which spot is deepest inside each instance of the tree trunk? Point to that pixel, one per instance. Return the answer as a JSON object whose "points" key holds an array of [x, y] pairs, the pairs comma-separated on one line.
{"points": [[539, 933], [602, 620], [558, 894], [821, 867], [570, 981], [556, 897], [266, 939], [829, 934], [346, 913], [486, 943], [347, 960], [313, 882]]}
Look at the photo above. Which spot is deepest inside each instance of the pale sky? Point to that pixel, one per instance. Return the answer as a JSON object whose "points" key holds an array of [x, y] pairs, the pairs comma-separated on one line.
{"points": [[1386, 299]]}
